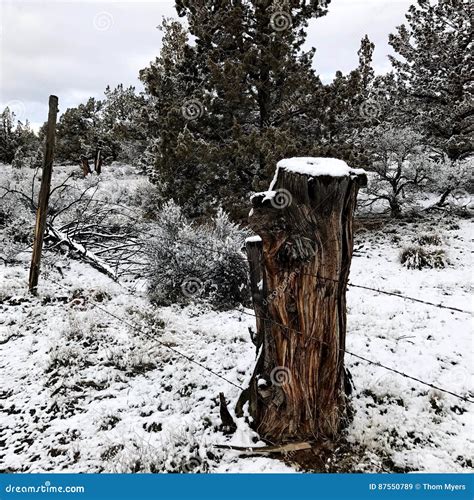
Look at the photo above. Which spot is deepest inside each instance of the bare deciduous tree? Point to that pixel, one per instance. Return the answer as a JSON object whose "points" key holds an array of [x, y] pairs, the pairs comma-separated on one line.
{"points": [[399, 164]]}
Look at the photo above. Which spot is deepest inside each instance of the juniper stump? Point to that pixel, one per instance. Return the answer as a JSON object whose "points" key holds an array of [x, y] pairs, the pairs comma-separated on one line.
{"points": [[299, 274]]}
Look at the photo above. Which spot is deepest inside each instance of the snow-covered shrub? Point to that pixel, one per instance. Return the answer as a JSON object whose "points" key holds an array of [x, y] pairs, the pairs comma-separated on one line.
{"points": [[15, 238], [429, 239], [420, 257], [133, 361], [108, 422], [16, 219], [20, 230], [190, 262], [147, 197], [27, 158], [178, 452], [20, 160], [12, 203], [64, 356]]}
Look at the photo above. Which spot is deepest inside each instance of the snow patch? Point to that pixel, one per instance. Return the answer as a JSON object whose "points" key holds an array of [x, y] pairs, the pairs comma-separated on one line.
{"points": [[315, 167]]}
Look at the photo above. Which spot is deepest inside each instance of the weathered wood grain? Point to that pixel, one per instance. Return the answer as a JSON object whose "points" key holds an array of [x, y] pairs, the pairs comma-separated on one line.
{"points": [[297, 389]]}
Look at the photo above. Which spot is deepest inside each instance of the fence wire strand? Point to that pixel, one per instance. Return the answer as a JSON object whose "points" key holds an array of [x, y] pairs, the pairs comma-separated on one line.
{"points": [[197, 363]]}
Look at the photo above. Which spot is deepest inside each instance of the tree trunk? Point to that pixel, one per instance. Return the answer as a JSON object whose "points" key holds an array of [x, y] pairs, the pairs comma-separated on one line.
{"points": [[305, 224], [442, 201], [395, 209]]}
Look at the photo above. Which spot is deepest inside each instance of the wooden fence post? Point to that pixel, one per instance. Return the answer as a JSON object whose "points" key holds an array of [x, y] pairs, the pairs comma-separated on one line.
{"points": [[305, 226], [98, 159], [42, 210], [86, 169]]}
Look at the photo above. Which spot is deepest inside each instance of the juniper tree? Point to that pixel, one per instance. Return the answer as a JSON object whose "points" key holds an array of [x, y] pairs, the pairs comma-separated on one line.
{"points": [[352, 103], [434, 64], [170, 80], [122, 121], [236, 100], [115, 122], [7, 143], [361, 103], [78, 130], [16, 138]]}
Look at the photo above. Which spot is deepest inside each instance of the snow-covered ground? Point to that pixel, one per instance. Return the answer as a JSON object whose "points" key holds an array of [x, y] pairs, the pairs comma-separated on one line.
{"points": [[91, 378]]}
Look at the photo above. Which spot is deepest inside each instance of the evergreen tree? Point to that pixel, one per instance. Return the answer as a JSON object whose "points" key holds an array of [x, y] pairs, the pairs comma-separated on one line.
{"points": [[169, 81], [434, 64], [7, 138], [78, 131], [351, 104], [122, 122], [114, 122], [401, 167], [17, 140], [240, 98]]}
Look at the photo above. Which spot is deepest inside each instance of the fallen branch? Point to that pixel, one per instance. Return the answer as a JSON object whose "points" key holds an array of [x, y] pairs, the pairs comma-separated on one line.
{"points": [[286, 448], [87, 256], [10, 337]]}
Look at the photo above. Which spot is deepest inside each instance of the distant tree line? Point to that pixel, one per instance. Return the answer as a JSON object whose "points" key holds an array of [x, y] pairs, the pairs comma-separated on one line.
{"points": [[232, 92], [243, 94], [114, 121]]}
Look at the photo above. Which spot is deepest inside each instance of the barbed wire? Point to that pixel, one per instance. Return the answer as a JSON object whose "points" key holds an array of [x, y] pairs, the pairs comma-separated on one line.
{"points": [[197, 363], [372, 362], [394, 294], [411, 377], [215, 250], [354, 285], [163, 344]]}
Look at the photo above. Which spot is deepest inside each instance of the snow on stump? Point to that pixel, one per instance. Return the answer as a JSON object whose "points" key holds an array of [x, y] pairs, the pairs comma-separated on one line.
{"points": [[299, 266]]}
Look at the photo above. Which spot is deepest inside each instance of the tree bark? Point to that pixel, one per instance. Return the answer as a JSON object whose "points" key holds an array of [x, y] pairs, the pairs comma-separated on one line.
{"points": [[442, 201], [297, 388], [395, 209]]}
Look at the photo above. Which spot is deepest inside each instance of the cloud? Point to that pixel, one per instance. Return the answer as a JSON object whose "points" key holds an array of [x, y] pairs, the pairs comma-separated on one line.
{"points": [[75, 49], [337, 35]]}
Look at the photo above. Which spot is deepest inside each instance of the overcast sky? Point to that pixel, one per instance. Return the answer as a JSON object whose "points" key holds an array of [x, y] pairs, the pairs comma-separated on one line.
{"points": [[74, 49]]}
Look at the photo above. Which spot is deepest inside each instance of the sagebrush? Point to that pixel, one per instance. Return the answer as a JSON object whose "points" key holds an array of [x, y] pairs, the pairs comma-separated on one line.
{"points": [[191, 262]]}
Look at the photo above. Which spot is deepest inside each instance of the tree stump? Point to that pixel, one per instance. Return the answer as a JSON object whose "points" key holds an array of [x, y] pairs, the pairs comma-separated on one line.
{"points": [[302, 267]]}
